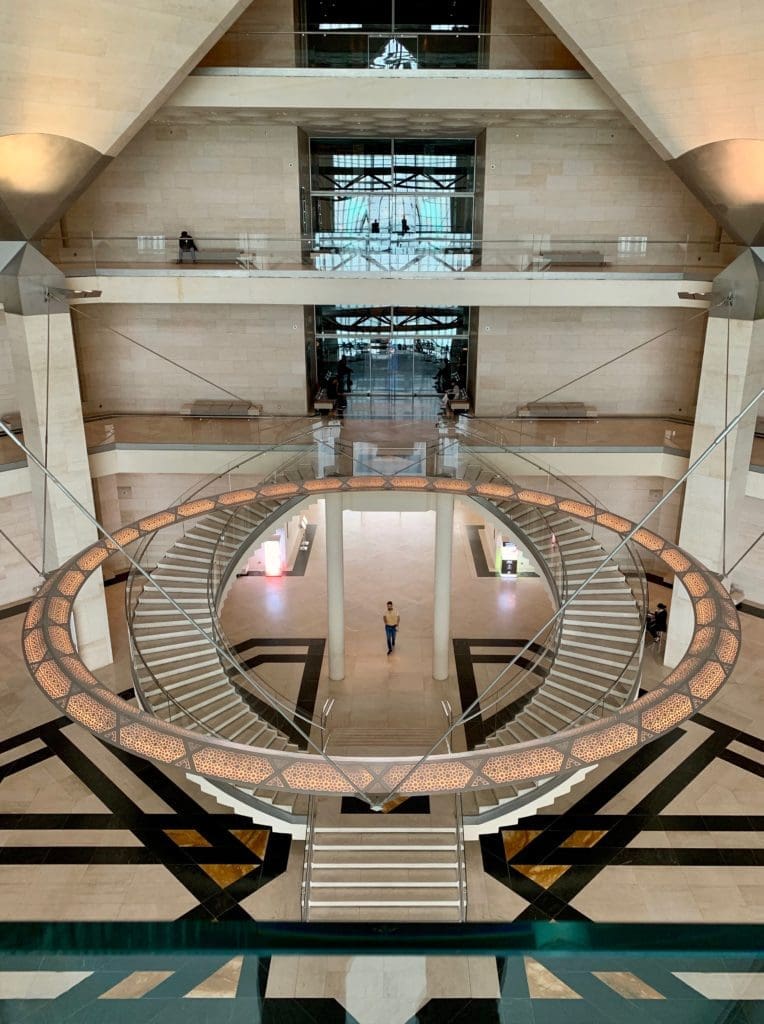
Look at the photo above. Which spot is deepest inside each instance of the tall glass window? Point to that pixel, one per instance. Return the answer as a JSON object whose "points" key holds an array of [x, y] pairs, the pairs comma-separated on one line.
{"points": [[392, 204], [395, 34], [393, 350]]}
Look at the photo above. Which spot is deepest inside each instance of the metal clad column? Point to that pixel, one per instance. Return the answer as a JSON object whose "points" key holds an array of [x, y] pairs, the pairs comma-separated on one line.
{"points": [[335, 586], [441, 612]]}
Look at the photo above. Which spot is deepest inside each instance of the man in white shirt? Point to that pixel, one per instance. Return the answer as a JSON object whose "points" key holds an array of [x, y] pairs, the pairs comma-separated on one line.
{"points": [[392, 621]]}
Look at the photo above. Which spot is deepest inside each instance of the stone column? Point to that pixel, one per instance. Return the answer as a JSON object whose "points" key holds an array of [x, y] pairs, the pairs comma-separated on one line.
{"points": [[441, 610], [67, 529], [335, 586], [702, 525]]}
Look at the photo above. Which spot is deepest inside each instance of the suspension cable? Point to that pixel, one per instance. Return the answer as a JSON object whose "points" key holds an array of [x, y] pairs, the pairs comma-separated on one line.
{"points": [[224, 655], [725, 480], [747, 551], [628, 352], [46, 436], [153, 351], [619, 547], [19, 551]]}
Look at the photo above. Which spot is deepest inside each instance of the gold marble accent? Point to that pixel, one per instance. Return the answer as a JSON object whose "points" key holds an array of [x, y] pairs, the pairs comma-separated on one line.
{"points": [[514, 842], [137, 984], [223, 984], [255, 839], [584, 838], [186, 837], [542, 984], [544, 875], [226, 874], [627, 985]]}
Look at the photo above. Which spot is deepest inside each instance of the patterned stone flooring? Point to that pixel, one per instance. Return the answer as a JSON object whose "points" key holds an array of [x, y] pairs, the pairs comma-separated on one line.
{"points": [[672, 834]]}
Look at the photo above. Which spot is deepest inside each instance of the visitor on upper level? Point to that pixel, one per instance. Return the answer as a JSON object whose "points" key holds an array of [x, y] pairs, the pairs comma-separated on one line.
{"points": [[186, 244]]}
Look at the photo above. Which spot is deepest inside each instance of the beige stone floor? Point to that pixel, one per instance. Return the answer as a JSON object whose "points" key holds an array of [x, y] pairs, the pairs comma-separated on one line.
{"points": [[385, 556]]}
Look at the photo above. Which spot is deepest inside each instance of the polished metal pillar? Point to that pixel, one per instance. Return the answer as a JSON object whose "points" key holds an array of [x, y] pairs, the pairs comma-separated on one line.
{"points": [[441, 610], [335, 586]]}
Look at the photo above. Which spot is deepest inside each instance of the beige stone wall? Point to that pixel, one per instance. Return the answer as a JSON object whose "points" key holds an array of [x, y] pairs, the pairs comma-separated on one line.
{"points": [[255, 351], [691, 73], [8, 400], [585, 180], [524, 353], [216, 181], [520, 39], [263, 37], [749, 575], [89, 71], [18, 520]]}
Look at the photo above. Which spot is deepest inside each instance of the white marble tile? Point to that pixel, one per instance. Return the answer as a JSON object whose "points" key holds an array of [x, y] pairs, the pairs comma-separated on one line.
{"points": [[722, 985], [39, 984]]}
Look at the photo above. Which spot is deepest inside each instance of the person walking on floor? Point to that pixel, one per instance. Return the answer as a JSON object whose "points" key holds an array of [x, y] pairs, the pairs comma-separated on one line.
{"points": [[392, 621]]}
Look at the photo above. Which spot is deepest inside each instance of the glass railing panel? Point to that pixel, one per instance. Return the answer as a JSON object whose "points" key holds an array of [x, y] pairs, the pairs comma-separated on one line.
{"points": [[405, 49], [391, 251]]}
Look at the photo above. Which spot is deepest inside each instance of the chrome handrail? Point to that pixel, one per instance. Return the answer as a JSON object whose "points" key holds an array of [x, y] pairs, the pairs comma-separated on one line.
{"points": [[307, 860]]}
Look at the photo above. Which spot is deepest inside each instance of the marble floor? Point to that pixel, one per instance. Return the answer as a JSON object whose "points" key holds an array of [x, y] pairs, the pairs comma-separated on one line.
{"points": [[671, 834]]}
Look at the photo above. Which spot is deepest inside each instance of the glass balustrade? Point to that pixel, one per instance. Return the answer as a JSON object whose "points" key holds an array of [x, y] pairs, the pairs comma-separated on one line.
{"points": [[402, 49], [390, 251]]}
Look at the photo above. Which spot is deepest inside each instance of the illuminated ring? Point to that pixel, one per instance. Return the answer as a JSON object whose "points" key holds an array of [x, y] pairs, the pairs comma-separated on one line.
{"points": [[51, 656]]}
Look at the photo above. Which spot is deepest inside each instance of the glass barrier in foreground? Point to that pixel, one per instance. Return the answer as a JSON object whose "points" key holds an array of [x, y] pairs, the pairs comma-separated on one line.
{"points": [[253, 972], [414, 250]]}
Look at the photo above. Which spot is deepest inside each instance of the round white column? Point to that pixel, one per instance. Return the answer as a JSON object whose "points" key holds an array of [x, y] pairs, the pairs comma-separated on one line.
{"points": [[335, 586], [441, 611]]}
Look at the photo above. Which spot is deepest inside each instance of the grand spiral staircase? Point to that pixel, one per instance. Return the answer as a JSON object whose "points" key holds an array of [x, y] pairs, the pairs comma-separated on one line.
{"points": [[586, 667]]}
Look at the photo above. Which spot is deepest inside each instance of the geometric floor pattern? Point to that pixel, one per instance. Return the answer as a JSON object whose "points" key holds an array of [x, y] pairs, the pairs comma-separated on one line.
{"points": [[564, 988], [217, 859], [550, 859]]}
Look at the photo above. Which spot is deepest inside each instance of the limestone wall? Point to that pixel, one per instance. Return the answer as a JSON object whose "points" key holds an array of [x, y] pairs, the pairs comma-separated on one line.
{"points": [[255, 351], [216, 181], [583, 179], [524, 353]]}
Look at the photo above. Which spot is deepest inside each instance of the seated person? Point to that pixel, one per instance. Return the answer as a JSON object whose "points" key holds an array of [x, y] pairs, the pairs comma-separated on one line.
{"points": [[657, 621], [186, 244]]}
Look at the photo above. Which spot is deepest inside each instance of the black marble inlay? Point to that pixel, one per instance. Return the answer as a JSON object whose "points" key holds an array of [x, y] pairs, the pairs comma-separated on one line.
{"points": [[311, 661], [412, 805], [186, 863]]}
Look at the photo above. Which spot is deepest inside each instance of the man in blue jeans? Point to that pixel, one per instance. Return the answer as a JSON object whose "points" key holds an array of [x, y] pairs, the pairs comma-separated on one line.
{"points": [[392, 621]]}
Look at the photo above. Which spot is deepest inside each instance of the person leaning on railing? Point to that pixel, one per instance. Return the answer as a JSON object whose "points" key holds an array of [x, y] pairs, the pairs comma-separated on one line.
{"points": [[187, 244]]}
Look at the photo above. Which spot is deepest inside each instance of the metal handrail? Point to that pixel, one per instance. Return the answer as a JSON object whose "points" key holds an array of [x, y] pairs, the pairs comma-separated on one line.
{"points": [[307, 859]]}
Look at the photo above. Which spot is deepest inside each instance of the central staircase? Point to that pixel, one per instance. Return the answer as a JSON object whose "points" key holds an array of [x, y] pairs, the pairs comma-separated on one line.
{"points": [[384, 867]]}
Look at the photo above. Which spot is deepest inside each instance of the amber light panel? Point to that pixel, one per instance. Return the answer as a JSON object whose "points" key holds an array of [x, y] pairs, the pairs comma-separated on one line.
{"points": [[63, 675]]}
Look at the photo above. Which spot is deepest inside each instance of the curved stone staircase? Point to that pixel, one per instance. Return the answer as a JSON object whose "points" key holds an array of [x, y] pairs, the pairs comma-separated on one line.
{"points": [[181, 678], [179, 674]]}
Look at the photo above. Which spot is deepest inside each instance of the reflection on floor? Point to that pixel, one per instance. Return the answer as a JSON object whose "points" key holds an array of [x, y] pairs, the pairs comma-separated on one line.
{"points": [[673, 833], [539, 989]]}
